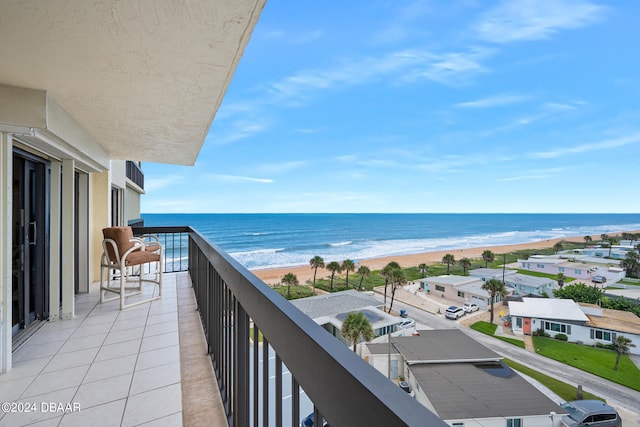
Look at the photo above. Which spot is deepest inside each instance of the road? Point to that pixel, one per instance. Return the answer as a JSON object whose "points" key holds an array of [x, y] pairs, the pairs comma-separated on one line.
{"points": [[615, 394]]}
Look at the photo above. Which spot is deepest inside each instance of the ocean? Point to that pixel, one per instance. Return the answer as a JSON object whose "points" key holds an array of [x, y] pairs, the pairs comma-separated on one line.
{"points": [[279, 240]]}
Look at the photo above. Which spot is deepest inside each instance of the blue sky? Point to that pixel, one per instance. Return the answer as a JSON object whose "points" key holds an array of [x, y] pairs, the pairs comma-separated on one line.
{"points": [[423, 106]]}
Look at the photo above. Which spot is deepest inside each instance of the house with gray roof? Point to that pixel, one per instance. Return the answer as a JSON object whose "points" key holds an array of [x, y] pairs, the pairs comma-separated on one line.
{"points": [[577, 266], [330, 310], [520, 284], [464, 382], [458, 288]]}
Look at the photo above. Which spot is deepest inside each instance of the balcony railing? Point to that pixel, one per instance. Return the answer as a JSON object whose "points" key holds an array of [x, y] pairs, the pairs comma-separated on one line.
{"points": [[238, 310], [135, 174]]}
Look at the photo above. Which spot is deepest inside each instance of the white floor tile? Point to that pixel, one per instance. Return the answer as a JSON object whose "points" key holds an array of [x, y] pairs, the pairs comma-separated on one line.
{"points": [[120, 349], [158, 357], [58, 380], [110, 368], [153, 404], [109, 414], [103, 391], [83, 342], [126, 335], [173, 420], [159, 341], [157, 377]]}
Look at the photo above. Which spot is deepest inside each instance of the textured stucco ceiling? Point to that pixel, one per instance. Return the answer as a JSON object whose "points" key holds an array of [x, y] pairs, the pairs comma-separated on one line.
{"points": [[145, 78]]}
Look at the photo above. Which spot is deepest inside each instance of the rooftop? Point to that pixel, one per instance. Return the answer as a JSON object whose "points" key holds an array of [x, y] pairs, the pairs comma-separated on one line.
{"points": [[546, 308], [451, 279], [335, 303], [491, 272], [442, 346], [482, 390]]}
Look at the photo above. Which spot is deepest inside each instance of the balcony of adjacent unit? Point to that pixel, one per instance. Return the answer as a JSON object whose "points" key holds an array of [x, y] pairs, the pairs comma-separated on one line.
{"points": [[219, 347]]}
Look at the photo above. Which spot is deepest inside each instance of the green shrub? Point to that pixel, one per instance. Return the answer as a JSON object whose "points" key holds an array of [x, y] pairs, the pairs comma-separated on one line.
{"points": [[561, 337]]}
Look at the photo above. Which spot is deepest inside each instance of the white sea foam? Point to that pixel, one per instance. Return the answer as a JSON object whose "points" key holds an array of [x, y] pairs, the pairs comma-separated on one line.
{"points": [[341, 243]]}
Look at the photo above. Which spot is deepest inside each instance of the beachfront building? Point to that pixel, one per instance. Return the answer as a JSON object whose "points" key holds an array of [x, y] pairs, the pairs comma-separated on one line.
{"points": [[581, 267], [86, 86], [459, 289], [462, 381], [584, 323], [330, 310], [518, 284]]}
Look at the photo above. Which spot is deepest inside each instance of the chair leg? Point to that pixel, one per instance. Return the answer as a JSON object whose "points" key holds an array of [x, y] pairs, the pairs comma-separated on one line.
{"points": [[123, 281]]}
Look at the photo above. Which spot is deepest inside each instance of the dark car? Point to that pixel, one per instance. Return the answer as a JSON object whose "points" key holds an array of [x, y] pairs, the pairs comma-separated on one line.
{"points": [[599, 279], [308, 421], [593, 413]]}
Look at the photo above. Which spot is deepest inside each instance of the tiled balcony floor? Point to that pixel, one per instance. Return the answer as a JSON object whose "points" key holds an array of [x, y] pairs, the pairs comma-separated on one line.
{"points": [[118, 367]]}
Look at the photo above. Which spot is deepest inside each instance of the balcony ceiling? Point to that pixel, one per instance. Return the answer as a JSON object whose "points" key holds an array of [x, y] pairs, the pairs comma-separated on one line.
{"points": [[144, 78]]}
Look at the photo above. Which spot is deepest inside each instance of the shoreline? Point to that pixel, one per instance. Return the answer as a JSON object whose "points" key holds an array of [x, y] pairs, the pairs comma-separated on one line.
{"points": [[304, 272]]}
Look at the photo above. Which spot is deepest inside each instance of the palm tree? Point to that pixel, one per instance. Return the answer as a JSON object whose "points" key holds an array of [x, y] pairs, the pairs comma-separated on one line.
{"points": [[290, 279], [465, 263], [449, 260], [561, 278], [316, 262], [488, 257], [397, 279], [494, 287], [612, 241], [348, 265], [356, 326], [386, 273], [587, 240], [631, 263], [604, 238], [557, 247], [363, 271], [333, 267], [622, 345], [423, 269]]}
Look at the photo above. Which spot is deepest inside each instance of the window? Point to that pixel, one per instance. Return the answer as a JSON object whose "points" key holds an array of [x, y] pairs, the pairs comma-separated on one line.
{"points": [[116, 207], [540, 265], [558, 327], [439, 288], [514, 422], [461, 294], [519, 322], [602, 335], [561, 269], [576, 271], [457, 424]]}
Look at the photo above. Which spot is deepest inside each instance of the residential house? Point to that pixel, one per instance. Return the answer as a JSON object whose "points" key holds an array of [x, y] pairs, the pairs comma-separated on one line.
{"points": [[521, 284], [462, 381], [584, 323], [578, 267], [459, 289], [330, 310]]}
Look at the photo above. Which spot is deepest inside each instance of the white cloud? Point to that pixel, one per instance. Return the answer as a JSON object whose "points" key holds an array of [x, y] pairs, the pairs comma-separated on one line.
{"points": [[271, 168], [594, 146], [516, 20], [493, 101], [523, 178], [406, 65], [236, 178]]}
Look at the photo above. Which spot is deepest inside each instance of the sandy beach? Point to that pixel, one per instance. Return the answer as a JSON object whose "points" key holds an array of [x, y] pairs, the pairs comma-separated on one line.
{"points": [[304, 272]]}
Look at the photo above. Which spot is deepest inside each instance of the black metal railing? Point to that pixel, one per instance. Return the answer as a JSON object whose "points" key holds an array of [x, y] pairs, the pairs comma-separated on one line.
{"points": [[256, 338], [135, 174]]}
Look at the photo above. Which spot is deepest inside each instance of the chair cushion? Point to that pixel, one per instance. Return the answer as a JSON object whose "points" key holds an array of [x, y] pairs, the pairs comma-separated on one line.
{"points": [[141, 257], [122, 236], [152, 247]]}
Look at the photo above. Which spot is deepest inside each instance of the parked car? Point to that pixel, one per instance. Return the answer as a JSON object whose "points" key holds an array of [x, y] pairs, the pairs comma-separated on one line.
{"points": [[454, 312], [470, 307], [407, 323], [599, 279], [590, 413], [308, 421]]}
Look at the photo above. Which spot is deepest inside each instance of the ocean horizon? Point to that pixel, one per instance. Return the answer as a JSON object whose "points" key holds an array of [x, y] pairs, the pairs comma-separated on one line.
{"points": [[260, 241]]}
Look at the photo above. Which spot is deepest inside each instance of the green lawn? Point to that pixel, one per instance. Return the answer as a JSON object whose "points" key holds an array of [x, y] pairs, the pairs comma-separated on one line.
{"points": [[567, 280], [597, 361], [295, 292], [564, 390], [489, 329]]}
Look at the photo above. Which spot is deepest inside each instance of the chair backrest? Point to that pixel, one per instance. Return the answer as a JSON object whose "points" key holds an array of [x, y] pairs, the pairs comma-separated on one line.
{"points": [[122, 236]]}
